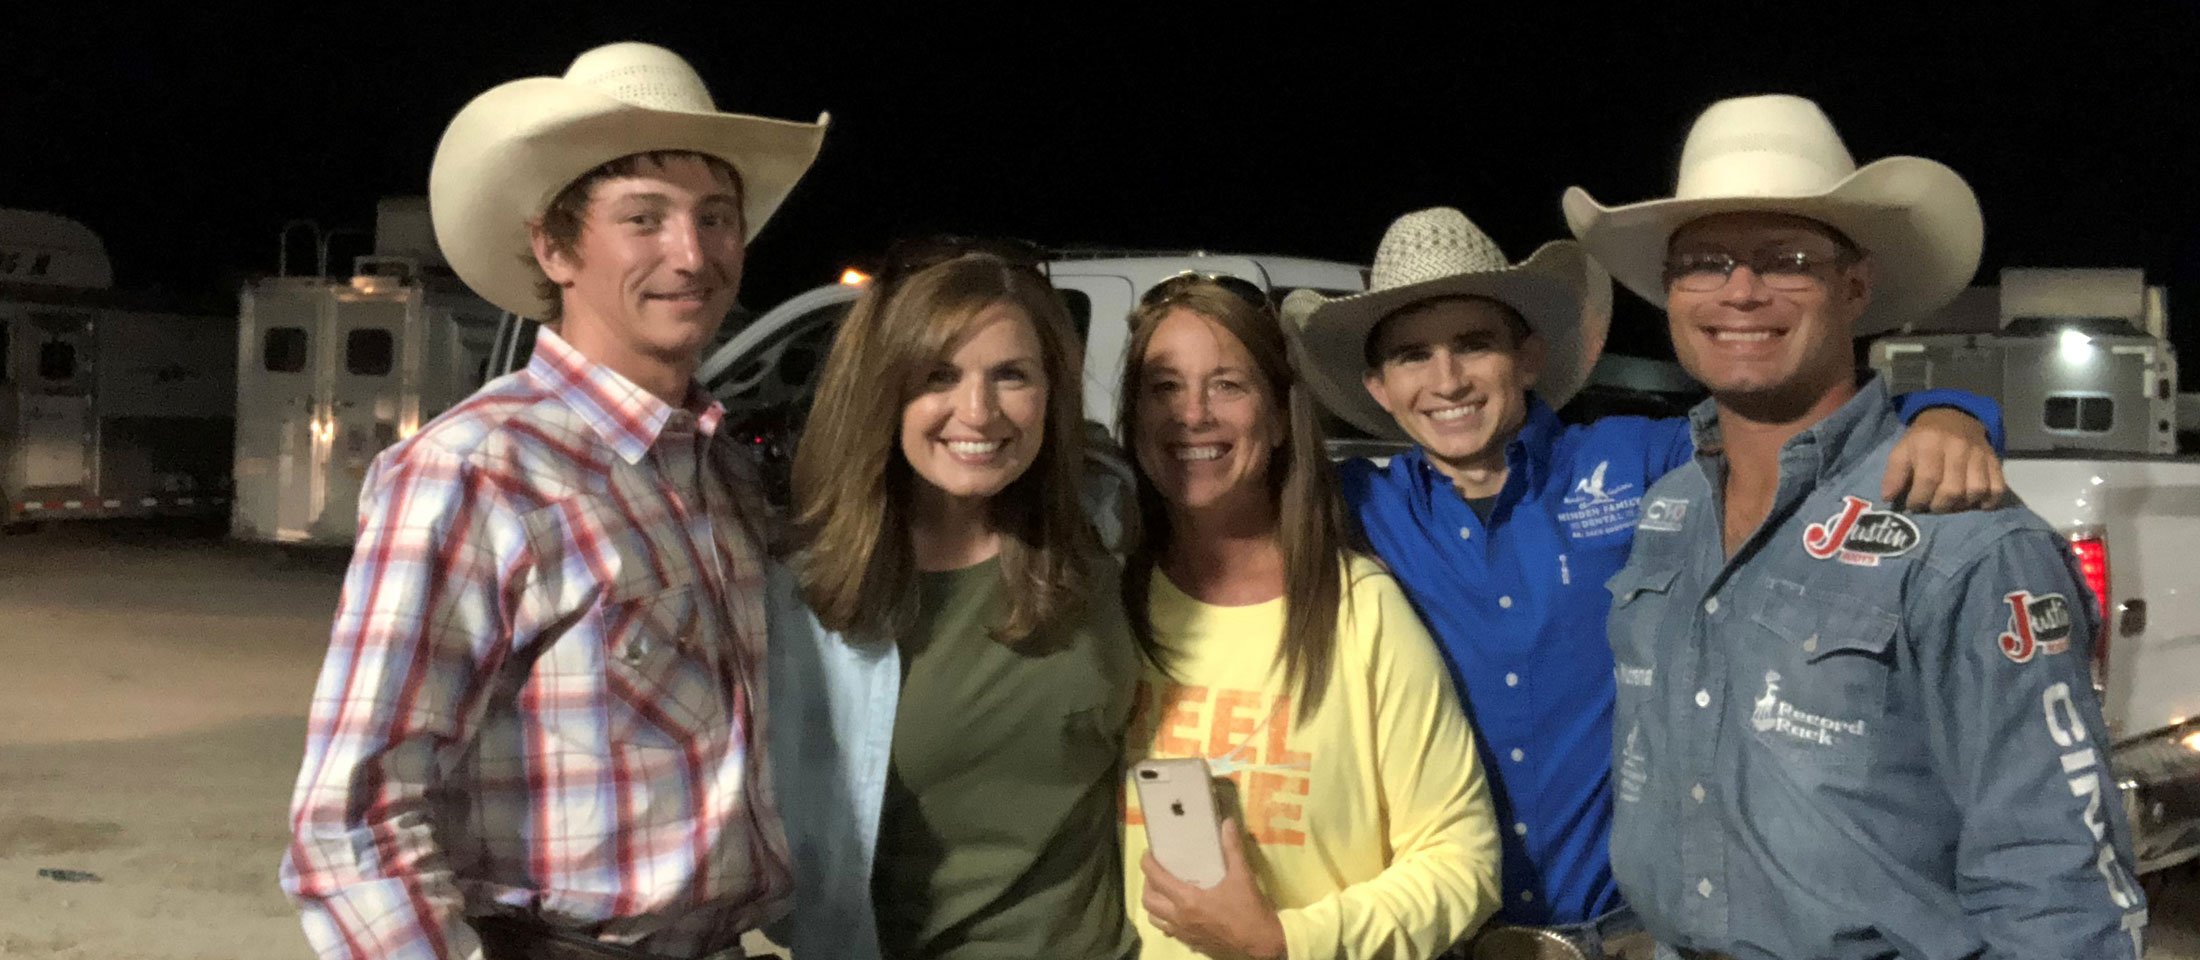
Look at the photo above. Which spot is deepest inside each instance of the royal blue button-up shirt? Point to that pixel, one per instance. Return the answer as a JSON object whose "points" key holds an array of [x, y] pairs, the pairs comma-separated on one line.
{"points": [[1518, 607], [1866, 734]]}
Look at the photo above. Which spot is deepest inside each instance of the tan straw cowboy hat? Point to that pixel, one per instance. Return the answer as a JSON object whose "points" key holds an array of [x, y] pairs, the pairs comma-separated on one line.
{"points": [[1566, 300], [1917, 219], [508, 153]]}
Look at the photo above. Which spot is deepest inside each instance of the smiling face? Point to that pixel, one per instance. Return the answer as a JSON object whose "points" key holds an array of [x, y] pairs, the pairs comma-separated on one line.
{"points": [[1208, 422], [655, 268], [1784, 349], [1455, 374], [978, 418]]}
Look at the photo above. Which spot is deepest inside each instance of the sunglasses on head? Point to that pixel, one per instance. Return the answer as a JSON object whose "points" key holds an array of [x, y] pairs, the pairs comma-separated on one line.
{"points": [[911, 255], [1177, 285]]}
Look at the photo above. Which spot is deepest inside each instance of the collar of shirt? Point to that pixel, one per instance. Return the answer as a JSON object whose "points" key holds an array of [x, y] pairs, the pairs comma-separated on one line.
{"points": [[1527, 459], [1825, 449], [627, 417]]}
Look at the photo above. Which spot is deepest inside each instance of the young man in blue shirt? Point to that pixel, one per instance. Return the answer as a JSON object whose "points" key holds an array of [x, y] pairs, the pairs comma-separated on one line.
{"points": [[1504, 523], [1844, 731]]}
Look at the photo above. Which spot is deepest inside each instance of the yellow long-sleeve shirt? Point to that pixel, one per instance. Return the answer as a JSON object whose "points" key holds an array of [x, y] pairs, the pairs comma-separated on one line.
{"points": [[1368, 823]]}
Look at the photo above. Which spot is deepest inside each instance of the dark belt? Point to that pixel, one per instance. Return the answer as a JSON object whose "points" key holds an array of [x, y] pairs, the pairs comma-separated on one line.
{"points": [[1687, 954], [515, 938]]}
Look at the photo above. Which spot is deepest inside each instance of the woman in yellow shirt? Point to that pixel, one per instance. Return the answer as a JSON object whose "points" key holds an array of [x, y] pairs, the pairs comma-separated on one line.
{"points": [[1291, 662]]}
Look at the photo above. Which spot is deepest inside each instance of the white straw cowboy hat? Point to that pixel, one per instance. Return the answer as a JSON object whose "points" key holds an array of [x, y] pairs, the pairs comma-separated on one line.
{"points": [[1566, 300], [508, 153], [1779, 154]]}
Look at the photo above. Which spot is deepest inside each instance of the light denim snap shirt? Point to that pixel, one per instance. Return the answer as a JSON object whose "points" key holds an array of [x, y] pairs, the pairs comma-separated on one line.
{"points": [[1867, 734]]}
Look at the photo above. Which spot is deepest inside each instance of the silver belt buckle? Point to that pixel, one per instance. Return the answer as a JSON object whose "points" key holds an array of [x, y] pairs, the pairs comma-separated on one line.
{"points": [[1525, 943]]}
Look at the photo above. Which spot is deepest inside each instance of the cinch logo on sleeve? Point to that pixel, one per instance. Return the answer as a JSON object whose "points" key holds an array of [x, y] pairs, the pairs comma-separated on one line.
{"points": [[2083, 770], [1664, 515], [1861, 535], [2037, 625]]}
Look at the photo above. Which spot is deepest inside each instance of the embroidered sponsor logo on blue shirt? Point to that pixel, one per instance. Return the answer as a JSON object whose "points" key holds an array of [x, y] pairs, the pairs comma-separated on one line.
{"points": [[2037, 625], [1861, 535], [1771, 714], [1594, 511], [1634, 768], [1664, 515]]}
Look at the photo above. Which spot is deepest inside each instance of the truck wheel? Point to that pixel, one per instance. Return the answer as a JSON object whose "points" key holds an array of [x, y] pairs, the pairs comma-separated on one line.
{"points": [[2156, 885]]}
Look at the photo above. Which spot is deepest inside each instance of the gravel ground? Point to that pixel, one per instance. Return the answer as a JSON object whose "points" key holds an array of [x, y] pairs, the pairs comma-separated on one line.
{"points": [[151, 721]]}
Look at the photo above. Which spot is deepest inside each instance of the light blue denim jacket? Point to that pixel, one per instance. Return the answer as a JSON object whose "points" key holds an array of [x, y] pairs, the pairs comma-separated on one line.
{"points": [[831, 723]]}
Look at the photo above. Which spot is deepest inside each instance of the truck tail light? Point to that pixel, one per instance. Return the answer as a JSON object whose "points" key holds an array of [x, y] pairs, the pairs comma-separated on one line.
{"points": [[2092, 552]]}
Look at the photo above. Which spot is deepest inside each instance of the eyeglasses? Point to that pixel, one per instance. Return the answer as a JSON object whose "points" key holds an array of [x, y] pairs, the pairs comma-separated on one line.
{"points": [[1779, 269], [911, 255], [1176, 286]]}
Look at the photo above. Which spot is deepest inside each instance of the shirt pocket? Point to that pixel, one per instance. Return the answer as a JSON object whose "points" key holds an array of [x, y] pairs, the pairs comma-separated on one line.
{"points": [[662, 691], [1822, 697], [1642, 601]]}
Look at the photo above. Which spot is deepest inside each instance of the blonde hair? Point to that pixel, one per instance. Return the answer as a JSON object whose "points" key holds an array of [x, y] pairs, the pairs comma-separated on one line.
{"points": [[1314, 530]]}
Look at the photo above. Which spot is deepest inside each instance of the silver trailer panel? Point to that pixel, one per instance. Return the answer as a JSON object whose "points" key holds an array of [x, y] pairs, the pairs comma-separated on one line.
{"points": [[331, 373], [2065, 391]]}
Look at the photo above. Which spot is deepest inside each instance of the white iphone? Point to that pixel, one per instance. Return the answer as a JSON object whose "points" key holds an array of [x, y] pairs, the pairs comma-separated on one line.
{"points": [[1182, 830]]}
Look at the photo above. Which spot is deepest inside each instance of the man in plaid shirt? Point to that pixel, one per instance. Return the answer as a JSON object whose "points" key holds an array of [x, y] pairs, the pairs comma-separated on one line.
{"points": [[537, 732]]}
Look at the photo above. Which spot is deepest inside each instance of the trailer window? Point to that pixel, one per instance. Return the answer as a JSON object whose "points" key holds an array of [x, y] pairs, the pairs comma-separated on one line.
{"points": [[57, 360], [283, 350], [369, 353], [2080, 413]]}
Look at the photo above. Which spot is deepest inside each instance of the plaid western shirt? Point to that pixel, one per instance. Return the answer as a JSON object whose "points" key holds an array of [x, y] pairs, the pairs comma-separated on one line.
{"points": [[537, 698]]}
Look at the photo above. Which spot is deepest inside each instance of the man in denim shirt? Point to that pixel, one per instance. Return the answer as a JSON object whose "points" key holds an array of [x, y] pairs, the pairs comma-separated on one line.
{"points": [[1842, 731], [1503, 523]]}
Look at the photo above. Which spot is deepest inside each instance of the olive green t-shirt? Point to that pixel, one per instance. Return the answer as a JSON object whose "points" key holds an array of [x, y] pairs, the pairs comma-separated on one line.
{"points": [[998, 836]]}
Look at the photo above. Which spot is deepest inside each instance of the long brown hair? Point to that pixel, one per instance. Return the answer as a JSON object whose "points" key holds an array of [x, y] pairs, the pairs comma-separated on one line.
{"points": [[852, 486], [1315, 533]]}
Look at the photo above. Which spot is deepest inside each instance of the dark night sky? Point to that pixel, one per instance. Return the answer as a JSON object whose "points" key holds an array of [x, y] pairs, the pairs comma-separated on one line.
{"points": [[186, 141]]}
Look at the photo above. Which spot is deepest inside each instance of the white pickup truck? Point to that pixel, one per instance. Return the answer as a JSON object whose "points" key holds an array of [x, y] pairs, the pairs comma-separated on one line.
{"points": [[2081, 363]]}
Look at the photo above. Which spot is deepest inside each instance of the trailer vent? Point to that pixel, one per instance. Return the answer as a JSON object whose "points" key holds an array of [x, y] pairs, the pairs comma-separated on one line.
{"points": [[1912, 372], [57, 360], [369, 353], [283, 350], [2080, 413]]}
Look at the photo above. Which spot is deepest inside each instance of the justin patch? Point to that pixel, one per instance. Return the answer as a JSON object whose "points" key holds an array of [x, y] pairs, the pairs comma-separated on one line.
{"points": [[1861, 535], [2037, 625]]}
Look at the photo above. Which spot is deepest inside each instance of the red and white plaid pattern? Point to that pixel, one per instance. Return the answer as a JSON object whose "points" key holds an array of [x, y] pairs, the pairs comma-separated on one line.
{"points": [[538, 696]]}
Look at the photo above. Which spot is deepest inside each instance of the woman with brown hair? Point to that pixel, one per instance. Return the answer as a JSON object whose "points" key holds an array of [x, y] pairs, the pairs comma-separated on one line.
{"points": [[947, 764], [1288, 660]]}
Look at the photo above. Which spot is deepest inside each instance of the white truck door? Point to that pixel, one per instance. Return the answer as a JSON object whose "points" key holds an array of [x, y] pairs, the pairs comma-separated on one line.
{"points": [[1100, 307], [280, 332], [58, 429], [372, 357]]}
